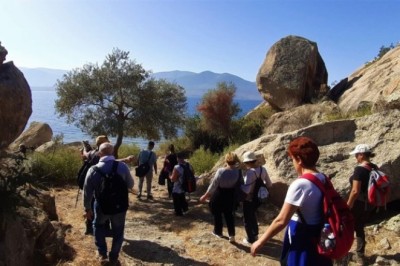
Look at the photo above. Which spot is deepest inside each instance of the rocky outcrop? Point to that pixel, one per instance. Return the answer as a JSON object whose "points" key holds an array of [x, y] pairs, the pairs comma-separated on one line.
{"points": [[31, 234], [335, 139], [299, 117], [293, 73], [15, 103], [36, 135], [376, 83]]}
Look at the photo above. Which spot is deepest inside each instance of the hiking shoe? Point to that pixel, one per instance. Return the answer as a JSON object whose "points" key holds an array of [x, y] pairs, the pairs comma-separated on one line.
{"points": [[232, 239], [149, 197], [217, 235]]}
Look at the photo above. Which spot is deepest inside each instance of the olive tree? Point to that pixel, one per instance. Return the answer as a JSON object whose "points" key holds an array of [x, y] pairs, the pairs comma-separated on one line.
{"points": [[120, 99]]}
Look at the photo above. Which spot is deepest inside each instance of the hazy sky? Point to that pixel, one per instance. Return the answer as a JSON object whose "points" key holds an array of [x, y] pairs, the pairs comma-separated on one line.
{"points": [[223, 36]]}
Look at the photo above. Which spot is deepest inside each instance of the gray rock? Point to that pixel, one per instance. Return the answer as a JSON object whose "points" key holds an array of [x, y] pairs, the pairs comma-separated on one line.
{"points": [[15, 103], [293, 73]]}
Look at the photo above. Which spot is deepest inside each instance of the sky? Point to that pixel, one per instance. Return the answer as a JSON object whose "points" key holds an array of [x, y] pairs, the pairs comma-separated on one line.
{"points": [[222, 36]]}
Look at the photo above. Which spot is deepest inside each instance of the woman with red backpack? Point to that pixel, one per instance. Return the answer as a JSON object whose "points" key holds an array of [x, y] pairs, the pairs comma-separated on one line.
{"points": [[301, 210]]}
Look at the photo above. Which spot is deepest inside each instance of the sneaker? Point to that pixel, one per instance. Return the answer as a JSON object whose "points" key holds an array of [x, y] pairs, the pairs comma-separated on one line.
{"points": [[232, 239], [102, 259], [214, 234], [246, 242]]}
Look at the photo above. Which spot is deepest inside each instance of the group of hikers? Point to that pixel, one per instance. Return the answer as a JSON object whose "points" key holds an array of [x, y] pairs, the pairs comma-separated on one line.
{"points": [[301, 213]]}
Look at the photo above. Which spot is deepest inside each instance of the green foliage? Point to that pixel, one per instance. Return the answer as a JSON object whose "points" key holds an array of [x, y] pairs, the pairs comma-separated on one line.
{"points": [[181, 144], [128, 149], [203, 160], [59, 164], [120, 99], [360, 112]]}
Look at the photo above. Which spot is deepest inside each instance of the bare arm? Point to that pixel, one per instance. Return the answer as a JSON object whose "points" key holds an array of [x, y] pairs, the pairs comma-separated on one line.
{"points": [[174, 176], [355, 191], [276, 226]]}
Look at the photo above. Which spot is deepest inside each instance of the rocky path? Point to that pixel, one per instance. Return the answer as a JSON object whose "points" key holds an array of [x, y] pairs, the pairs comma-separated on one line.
{"points": [[155, 236]]}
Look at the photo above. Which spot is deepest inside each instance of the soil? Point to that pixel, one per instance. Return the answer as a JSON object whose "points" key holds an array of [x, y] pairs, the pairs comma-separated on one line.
{"points": [[155, 236]]}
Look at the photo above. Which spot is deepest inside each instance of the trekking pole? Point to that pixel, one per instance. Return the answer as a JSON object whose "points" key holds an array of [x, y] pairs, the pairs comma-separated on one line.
{"points": [[77, 197]]}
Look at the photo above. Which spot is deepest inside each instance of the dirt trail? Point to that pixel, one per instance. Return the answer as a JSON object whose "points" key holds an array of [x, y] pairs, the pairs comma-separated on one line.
{"points": [[155, 236]]}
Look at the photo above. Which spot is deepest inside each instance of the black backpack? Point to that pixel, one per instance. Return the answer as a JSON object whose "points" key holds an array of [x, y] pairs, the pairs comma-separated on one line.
{"points": [[188, 179], [89, 162], [112, 194], [260, 192]]}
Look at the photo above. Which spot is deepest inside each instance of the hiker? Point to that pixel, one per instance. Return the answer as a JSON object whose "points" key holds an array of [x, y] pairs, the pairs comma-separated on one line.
{"points": [[299, 246], [253, 171], [357, 200], [91, 189], [178, 194], [222, 193], [169, 163], [147, 156], [93, 156]]}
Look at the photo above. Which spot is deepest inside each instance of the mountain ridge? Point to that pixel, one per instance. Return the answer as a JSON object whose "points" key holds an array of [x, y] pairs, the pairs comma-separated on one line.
{"points": [[195, 84]]}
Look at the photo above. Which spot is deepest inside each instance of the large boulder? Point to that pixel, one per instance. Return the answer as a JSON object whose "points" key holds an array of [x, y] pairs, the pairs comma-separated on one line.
{"points": [[15, 103], [37, 134], [375, 84], [293, 73]]}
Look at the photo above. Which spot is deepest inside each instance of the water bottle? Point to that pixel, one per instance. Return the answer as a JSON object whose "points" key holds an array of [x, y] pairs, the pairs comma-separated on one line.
{"points": [[327, 239]]}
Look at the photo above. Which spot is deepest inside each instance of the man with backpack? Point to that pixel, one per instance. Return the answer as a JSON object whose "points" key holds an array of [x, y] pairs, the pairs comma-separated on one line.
{"points": [[109, 182], [150, 158], [91, 157]]}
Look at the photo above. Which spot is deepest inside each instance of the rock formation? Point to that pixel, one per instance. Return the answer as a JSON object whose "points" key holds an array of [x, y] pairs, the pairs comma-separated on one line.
{"points": [[335, 139], [15, 103], [36, 135], [293, 73], [31, 235], [376, 81]]}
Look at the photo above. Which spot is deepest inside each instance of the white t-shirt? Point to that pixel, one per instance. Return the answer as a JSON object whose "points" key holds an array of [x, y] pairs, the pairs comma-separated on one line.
{"points": [[308, 197]]}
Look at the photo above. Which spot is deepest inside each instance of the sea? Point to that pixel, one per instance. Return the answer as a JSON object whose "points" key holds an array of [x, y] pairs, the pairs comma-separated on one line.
{"points": [[43, 100]]}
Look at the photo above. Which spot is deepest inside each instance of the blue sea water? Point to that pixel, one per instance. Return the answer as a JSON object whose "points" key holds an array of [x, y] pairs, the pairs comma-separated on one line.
{"points": [[43, 111]]}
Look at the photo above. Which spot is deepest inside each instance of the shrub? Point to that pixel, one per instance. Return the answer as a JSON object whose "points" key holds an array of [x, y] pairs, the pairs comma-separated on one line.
{"points": [[128, 149], [182, 144], [203, 160], [59, 164]]}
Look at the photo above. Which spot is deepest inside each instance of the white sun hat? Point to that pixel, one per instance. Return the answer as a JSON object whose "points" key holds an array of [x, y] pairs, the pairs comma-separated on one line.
{"points": [[361, 148], [249, 156]]}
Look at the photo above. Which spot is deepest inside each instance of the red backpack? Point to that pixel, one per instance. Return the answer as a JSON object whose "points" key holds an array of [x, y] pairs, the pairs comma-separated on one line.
{"points": [[378, 187], [338, 215]]}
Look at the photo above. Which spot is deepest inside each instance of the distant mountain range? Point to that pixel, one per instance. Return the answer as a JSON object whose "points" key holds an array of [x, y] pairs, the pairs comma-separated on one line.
{"points": [[195, 84]]}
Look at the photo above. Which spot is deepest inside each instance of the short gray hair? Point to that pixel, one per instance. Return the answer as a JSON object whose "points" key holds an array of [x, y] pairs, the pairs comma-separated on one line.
{"points": [[106, 148]]}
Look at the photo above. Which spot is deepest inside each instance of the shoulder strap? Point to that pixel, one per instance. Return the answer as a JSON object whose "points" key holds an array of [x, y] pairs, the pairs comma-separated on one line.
{"points": [[113, 169], [312, 178], [367, 166], [315, 181], [148, 159]]}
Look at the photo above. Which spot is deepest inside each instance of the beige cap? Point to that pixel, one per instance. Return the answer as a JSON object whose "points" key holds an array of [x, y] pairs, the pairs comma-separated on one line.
{"points": [[101, 139]]}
